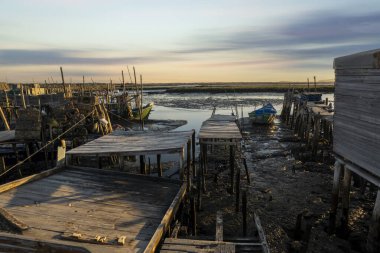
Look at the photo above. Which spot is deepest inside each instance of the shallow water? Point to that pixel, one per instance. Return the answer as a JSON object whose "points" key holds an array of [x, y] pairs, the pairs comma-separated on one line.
{"points": [[197, 107]]}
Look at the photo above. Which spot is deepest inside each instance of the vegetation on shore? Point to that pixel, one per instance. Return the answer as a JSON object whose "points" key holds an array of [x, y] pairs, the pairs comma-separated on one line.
{"points": [[256, 88]]}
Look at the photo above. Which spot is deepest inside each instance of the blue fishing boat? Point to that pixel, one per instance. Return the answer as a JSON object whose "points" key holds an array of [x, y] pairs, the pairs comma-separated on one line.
{"points": [[263, 115]]}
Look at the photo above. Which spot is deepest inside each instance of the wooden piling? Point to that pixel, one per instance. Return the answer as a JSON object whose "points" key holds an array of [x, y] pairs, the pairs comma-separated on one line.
{"points": [[346, 186], [159, 166], [193, 216], [219, 227], [335, 196], [203, 167], [373, 240], [232, 168], [244, 212], [181, 167], [188, 165], [237, 190], [193, 153], [142, 165], [246, 171], [199, 185], [121, 162]]}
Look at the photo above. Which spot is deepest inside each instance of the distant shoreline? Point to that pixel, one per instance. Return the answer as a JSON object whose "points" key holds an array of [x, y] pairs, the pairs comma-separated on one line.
{"points": [[202, 87], [219, 89]]}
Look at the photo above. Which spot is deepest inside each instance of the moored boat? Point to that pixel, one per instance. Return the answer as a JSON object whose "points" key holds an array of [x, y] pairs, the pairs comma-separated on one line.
{"points": [[145, 112], [263, 115]]}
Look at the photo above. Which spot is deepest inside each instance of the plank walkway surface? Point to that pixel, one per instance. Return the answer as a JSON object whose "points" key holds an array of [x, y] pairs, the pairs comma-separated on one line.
{"points": [[222, 127], [134, 143], [107, 205], [172, 245]]}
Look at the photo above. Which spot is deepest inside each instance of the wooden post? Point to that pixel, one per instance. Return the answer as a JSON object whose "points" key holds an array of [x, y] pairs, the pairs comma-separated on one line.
{"points": [[335, 196], [199, 185], [232, 168], [149, 167], [193, 215], [121, 162], [63, 81], [219, 227], [181, 159], [193, 153], [159, 167], [5, 121], [122, 76], [142, 165], [317, 125], [141, 104], [23, 97], [237, 201], [204, 165], [244, 212], [373, 242], [188, 165], [315, 84], [246, 171], [346, 185]]}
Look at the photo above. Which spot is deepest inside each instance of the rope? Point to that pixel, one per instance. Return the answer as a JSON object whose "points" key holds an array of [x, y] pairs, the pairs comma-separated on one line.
{"points": [[46, 145]]}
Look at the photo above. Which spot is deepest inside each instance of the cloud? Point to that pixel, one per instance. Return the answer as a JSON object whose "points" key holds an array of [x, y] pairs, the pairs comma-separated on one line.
{"points": [[315, 35], [61, 57]]}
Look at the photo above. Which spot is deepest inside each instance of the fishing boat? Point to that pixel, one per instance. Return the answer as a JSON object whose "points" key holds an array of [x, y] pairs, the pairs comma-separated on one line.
{"points": [[145, 112], [263, 115]]}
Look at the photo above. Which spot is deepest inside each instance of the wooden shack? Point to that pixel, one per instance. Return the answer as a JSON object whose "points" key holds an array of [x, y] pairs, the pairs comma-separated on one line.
{"points": [[357, 129]]}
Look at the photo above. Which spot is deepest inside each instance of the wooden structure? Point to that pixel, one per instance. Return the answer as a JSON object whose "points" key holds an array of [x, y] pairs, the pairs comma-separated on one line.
{"points": [[72, 209], [357, 132], [219, 130], [124, 143], [257, 244], [312, 121]]}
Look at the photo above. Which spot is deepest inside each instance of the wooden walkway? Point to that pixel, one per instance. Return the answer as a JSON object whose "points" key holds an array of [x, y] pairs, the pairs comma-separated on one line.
{"points": [[172, 245], [135, 143], [311, 121], [95, 210], [124, 143], [220, 129]]}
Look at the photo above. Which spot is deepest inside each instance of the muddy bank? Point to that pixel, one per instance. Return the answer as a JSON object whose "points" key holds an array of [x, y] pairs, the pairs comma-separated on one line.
{"points": [[209, 101]]}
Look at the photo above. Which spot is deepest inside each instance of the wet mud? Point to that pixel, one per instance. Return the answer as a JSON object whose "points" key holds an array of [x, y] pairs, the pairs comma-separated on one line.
{"points": [[281, 189]]}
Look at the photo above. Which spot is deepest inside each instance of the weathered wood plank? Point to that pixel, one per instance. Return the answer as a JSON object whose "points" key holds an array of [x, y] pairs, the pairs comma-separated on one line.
{"points": [[125, 143]]}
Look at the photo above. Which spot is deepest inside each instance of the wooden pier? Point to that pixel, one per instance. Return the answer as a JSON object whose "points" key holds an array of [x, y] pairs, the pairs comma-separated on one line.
{"points": [[123, 143], [87, 210], [311, 121], [219, 130]]}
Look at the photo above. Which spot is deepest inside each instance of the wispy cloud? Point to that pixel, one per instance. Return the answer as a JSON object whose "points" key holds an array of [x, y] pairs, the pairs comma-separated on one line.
{"points": [[73, 57], [318, 34]]}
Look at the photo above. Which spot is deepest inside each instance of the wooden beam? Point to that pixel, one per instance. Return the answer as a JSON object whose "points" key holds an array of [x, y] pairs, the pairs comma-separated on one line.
{"points": [[219, 227], [346, 186], [31, 178], [5, 121], [193, 152], [159, 165], [11, 220], [165, 222], [335, 196], [373, 242], [188, 165]]}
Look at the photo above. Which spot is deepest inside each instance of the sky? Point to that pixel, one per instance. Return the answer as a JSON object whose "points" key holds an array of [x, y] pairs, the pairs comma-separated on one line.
{"points": [[182, 41]]}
